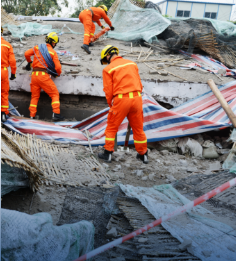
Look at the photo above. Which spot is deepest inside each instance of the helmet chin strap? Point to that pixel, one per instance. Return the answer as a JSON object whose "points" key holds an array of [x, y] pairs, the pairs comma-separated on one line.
{"points": [[109, 60]]}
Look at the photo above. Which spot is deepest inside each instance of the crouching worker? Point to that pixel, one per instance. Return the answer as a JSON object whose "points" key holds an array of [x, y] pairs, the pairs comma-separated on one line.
{"points": [[45, 64], [122, 87], [7, 59], [87, 17]]}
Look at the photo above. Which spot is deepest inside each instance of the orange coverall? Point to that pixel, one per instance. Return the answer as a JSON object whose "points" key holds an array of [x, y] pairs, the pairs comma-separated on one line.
{"points": [[7, 59], [87, 19], [123, 87], [42, 80]]}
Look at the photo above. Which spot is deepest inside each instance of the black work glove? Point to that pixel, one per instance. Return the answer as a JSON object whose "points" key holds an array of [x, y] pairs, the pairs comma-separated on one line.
{"points": [[13, 77], [112, 28], [28, 66], [102, 27]]}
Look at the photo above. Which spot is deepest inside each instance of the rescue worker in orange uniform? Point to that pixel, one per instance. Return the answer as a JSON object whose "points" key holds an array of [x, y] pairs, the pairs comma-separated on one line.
{"points": [[41, 79], [123, 87], [87, 17], [7, 59]]}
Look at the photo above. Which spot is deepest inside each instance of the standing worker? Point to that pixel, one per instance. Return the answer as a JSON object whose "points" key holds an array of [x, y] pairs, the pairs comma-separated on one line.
{"points": [[7, 59], [87, 17], [123, 87], [45, 64]]}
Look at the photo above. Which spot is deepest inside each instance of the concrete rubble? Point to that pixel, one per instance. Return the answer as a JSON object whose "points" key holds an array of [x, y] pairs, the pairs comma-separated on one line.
{"points": [[190, 164]]}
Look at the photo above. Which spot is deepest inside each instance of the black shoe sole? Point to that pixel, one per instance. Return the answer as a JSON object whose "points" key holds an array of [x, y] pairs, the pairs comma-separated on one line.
{"points": [[88, 52]]}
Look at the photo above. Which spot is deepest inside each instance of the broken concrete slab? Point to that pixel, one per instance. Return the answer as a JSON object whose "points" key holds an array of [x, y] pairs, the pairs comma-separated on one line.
{"points": [[112, 233]]}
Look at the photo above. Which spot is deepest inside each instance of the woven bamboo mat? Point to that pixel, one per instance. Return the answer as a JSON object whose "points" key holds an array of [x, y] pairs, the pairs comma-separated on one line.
{"points": [[47, 163]]}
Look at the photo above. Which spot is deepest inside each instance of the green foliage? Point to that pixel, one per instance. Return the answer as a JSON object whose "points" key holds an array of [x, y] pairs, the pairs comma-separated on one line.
{"points": [[81, 5], [107, 3], [89, 3], [167, 16], [32, 7]]}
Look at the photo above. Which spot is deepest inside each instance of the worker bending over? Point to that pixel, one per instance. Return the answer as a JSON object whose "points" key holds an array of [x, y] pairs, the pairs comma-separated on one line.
{"points": [[7, 59], [45, 64], [122, 87], [87, 17]]}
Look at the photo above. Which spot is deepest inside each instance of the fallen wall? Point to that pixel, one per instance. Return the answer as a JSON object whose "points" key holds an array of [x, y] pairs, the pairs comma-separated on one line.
{"points": [[174, 93]]}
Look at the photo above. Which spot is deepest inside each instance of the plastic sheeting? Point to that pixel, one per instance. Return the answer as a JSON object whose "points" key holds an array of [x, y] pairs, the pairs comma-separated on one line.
{"points": [[207, 235], [29, 29], [135, 23], [34, 237]]}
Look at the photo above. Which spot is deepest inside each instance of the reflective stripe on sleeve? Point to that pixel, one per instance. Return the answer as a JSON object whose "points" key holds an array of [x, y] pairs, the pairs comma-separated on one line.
{"points": [[136, 141], [32, 105], [4, 106], [121, 66], [6, 45]]}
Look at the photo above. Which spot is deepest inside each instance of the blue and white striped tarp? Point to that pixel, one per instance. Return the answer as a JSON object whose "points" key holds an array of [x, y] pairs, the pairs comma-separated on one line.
{"points": [[199, 115]]}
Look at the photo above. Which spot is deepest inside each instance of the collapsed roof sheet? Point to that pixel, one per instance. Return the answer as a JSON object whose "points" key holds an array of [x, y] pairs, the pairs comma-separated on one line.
{"points": [[134, 23]]}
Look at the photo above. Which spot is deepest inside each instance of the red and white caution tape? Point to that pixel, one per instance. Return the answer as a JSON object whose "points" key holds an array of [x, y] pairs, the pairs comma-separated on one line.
{"points": [[157, 222]]}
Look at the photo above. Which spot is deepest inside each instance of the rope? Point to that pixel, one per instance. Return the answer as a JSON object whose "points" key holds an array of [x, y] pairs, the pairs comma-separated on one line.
{"points": [[43, 52]]}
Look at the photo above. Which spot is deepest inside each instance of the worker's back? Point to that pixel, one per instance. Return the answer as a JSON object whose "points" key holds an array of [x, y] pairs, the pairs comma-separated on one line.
{"points": [[39, 61], [123, 75], [7, 55]]}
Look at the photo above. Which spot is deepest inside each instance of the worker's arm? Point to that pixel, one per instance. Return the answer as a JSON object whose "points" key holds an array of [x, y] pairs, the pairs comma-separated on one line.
{"points": [[28, 54], [108, 87], [57, 63], [12, 61], [106, 18], [99, 23]]}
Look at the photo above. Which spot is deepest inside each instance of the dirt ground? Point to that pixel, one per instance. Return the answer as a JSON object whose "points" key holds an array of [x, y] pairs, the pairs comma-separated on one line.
{"points": [[90, 64]]}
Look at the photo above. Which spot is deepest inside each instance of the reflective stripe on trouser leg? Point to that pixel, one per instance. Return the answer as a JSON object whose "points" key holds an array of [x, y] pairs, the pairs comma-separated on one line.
{"points": [[56, 107], [109, 144], [4, 90], [88, 24], [92, 31]]}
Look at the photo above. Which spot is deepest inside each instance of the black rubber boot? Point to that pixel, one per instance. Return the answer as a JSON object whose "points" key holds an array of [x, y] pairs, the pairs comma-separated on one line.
{"points": [[143, 158], [86, 48], [57, 117], [106, 156], [32, 118], [91, 44], [3, 116]]}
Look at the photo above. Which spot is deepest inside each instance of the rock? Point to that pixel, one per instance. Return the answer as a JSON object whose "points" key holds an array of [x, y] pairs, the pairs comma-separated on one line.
{"points": [[191, 169], [209, 150], [105, 165], [170, 177], [40, 210], [164, 152], [222, 72], [151, 176], [153, 72], [139, 173], [162, 65], [183, 162], [112, 233], [142, 240], [185, 244], [206, 253], [215, 166], [164, 73], [117, 168], [114, 176]]}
